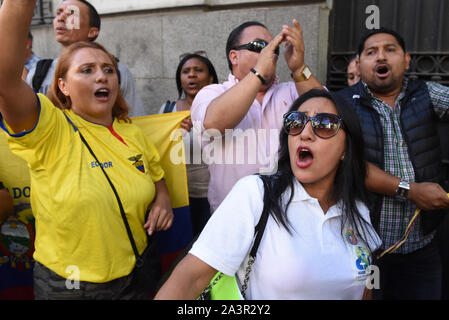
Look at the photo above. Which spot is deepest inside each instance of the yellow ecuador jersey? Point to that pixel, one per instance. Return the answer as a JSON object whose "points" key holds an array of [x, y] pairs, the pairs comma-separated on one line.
{"points": [[79, 230]]}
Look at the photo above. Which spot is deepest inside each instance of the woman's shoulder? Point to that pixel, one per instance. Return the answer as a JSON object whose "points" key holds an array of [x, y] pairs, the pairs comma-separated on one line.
{"points": [[45, 101], [129, 127], [244, 202], [250, 183], [248, 190], [168, 106], [49, 112]]}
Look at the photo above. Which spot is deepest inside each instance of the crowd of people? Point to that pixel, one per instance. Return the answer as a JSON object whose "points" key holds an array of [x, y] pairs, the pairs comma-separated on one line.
{"points": [[340, 182]]}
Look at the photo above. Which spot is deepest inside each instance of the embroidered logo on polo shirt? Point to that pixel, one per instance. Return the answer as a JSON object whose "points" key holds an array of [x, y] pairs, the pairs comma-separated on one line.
{"points": [[137, 162], [351, 237], [363, 258]]}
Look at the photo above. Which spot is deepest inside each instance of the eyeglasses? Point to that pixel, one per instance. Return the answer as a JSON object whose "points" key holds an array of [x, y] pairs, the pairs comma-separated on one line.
{"points": [[324, 125], [199, 52], [255, 46]]}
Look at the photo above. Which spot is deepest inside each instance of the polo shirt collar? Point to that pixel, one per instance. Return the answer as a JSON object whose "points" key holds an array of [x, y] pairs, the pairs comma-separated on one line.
{"points": [[301, 194]]}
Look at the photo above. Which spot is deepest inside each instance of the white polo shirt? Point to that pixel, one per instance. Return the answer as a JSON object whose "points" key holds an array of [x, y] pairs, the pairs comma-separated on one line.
{"points": [[315, 261]]}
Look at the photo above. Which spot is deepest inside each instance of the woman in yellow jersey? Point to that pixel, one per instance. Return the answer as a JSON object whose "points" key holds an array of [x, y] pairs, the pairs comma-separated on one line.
{"points": [[82, 246]]}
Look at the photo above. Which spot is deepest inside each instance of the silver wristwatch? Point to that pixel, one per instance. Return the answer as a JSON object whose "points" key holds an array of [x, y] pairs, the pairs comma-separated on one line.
{"points": [[402, 190]]}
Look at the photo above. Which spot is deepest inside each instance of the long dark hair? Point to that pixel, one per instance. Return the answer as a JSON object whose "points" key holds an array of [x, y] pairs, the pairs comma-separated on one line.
{"points": [[349, 183], [203, 59]]}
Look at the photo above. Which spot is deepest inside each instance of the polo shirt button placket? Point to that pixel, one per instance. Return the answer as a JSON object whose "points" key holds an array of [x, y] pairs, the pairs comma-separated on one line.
{"points": [[326, 243]]}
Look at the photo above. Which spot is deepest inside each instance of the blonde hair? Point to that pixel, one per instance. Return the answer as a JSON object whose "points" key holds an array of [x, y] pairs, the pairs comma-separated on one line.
{"points": [[120, 109]]}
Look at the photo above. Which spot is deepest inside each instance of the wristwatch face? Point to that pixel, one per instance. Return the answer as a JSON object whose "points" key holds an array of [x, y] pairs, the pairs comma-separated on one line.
{"points": [[307, 73], [402, 190]]}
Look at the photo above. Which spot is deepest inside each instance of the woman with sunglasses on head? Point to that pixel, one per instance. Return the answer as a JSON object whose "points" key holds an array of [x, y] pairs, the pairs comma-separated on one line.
{"points": [[81, 149], [194, 72], [318, 239]]}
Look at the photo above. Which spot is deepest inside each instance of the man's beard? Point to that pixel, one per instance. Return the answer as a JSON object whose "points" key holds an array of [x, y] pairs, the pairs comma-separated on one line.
{"points": [[384, 86]]}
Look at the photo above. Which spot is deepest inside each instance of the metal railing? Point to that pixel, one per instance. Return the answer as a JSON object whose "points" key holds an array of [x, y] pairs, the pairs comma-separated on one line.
{"points": [[427, 66]]}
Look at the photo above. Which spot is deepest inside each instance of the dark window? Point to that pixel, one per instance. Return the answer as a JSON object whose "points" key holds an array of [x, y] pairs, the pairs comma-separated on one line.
{"points": [[43, 13], [422, 24]]}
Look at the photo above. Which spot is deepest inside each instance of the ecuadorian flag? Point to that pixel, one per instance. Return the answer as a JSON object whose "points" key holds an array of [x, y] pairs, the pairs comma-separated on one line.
{"points": [[17, 234], [163, 131]]}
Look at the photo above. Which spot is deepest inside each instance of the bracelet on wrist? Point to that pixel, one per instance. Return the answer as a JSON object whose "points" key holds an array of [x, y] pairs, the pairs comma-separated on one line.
{"points": [[258, 75]]}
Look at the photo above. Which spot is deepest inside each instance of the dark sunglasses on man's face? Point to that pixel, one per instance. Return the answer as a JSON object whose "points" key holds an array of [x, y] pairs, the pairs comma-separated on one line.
{"points": [[324, 125], [255, 46]]}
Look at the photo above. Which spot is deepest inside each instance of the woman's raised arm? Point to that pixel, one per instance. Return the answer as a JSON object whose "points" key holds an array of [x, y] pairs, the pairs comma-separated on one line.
{"points": [[18, 103]]}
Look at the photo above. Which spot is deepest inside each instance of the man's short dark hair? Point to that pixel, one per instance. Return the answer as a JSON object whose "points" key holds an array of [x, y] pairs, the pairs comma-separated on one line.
{"points": [[94, 17], [234, 37], [372, 32]]}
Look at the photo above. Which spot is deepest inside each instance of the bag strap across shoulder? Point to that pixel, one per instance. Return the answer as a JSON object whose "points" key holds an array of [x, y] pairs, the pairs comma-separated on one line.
{"points": [[139, 259], [42, 68], [259, 230], [258, 233], [169, 106]]}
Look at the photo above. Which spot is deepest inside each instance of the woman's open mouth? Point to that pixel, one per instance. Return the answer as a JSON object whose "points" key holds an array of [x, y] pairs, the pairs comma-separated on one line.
{"points": [[193, 86], [304, 157], [102, 95]]}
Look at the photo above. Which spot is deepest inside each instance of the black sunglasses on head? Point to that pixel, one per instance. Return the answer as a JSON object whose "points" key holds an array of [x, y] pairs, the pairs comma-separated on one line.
{"points": [[255, 46], [324, 125], [199, 52]]}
